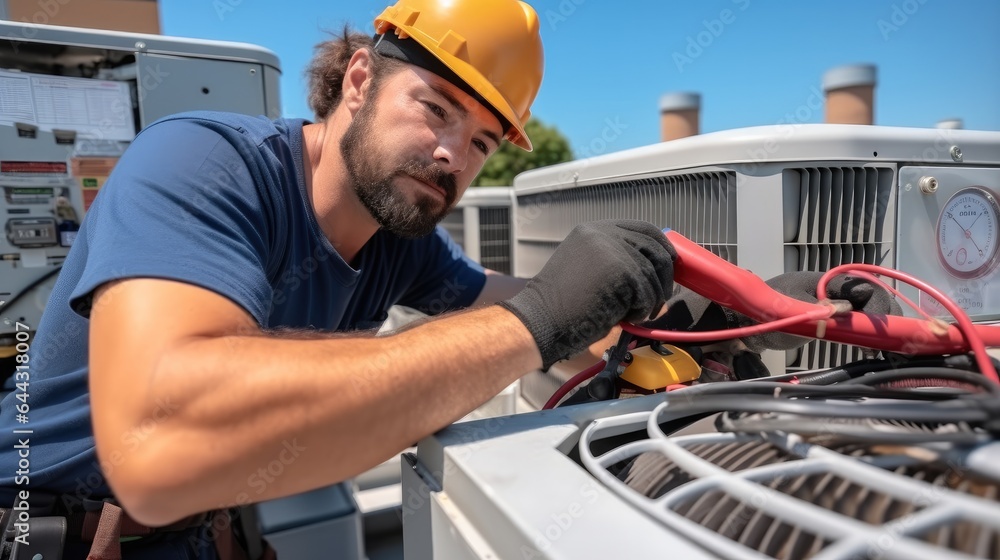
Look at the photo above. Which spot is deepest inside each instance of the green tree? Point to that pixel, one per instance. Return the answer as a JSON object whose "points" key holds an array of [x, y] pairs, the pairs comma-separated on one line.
{"points": [[550, 147]]}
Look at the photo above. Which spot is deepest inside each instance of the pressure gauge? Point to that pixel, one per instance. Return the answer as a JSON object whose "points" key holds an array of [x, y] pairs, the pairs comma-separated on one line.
{"points": [[967, 229]]}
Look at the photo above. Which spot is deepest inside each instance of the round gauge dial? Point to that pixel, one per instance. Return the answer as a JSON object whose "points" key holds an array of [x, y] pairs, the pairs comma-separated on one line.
{"points": [[967, 233]]}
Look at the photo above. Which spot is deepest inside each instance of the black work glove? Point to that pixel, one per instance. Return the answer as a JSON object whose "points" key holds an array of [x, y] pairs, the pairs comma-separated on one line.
{"points": [[602, 273], [689, 311]]}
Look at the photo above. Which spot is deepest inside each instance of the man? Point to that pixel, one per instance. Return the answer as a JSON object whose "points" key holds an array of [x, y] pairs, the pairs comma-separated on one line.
{"points": [[190, 338]]}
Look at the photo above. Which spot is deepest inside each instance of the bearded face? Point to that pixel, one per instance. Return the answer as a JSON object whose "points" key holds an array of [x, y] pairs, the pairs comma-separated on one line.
{"points": [[374, 176]]}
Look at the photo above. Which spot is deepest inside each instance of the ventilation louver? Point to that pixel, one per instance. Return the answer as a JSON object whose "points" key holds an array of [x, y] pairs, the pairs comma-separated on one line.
{"points": [[835, 216]]}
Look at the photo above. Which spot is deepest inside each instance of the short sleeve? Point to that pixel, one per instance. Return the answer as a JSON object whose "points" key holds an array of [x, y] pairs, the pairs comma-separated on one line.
{"points": [[181, 204], [446, 278]]}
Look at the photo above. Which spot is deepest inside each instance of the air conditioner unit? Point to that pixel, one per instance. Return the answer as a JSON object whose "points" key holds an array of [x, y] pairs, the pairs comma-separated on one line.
{"points": [[671, 476], [785, 198], [480, 223]]}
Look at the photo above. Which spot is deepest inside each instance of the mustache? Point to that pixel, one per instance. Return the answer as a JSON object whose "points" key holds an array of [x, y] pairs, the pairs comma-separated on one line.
{"points": [[430, 172]]}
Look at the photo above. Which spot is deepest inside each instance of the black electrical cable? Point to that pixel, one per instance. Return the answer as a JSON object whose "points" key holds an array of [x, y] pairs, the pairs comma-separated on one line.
{"points": [[843, 373], [771, 388], [855, 369], [860, 431], [797, 399], [926, 373], [945, 412], [34, 284]]}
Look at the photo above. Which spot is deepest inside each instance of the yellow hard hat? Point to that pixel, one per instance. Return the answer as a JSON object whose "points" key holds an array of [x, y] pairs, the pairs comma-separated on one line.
{"points": [[492, 45]]}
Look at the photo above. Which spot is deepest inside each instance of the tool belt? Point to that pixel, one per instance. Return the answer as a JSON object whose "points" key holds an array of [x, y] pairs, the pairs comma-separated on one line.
{"points": [[105, 525]]}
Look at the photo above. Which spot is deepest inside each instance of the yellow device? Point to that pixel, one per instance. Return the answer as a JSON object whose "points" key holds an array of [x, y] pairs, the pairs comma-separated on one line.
{"points": [[655, 368]]}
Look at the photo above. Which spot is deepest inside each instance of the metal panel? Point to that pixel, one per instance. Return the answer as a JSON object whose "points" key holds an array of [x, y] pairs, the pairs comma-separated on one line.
{"points": [[760, 228], [454, 536], [172, 84], [310, 524], [532, 256], [272, 92], [417, 516], [470, 229], [69, 37], [917, 239], [454, 224], [747, 150], [512, 490]]}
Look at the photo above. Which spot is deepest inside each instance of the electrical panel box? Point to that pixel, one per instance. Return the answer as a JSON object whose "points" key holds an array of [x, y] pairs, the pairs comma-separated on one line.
{"points": [[71, 100]]}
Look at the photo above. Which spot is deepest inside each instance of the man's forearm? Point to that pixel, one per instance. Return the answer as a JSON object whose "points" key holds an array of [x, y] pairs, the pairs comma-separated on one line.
{"points": [[326, 409]]}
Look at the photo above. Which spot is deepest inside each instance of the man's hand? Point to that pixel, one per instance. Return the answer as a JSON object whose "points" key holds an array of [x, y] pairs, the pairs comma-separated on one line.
{"points": [[688, 311], [602, 273]]}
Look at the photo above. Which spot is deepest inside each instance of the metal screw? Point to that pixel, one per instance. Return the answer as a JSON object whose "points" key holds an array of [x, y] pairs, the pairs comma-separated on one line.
{"points": [[140, 45], [928, 185], [253, 71], [956, 153]]}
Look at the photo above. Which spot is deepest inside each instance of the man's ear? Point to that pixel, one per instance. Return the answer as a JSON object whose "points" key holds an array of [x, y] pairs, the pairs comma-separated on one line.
{"points": [[357, 79]]}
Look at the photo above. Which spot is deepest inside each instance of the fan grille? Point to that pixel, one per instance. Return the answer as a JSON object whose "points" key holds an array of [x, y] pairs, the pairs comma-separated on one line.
{"points": [[655, 475]]}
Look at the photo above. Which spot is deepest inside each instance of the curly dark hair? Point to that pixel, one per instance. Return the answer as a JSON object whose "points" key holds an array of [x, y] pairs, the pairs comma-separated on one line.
{"points": [[327, 69]]}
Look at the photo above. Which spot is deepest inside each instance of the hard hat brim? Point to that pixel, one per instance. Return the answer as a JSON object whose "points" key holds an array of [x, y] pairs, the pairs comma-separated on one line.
{"points": [[470, 76], [412, 52]]}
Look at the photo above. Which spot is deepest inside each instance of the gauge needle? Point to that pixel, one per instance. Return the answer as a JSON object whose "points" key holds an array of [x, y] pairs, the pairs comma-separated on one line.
{"points": [[976, 244], [976, 220], [965, 231], [968, 233]]}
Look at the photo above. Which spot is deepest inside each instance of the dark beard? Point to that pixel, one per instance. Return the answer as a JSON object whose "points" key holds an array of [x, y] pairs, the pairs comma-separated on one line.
{"points": [[375, 188]]}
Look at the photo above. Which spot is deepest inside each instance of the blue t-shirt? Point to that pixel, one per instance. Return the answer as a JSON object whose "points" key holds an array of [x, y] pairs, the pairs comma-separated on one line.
{"points": [[216, 200]]}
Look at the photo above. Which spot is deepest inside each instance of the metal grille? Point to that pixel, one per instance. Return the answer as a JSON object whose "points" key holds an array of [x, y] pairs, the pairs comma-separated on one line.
{"points": [[494, 239], [844, 215], [777, 495], [701, 206]]}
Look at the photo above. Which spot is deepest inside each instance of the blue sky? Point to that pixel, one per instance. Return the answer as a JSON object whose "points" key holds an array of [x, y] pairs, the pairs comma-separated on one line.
{"points": [[754, 62]]}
